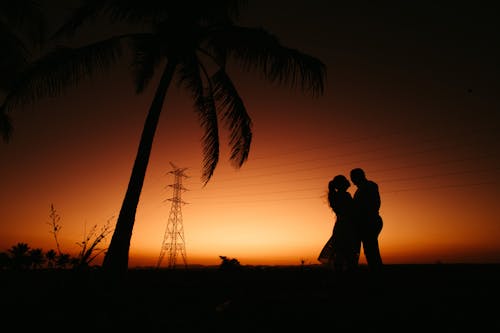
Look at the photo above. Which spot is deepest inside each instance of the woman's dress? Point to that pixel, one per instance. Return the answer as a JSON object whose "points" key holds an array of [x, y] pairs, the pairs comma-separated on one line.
{"points": [[343, 245]]}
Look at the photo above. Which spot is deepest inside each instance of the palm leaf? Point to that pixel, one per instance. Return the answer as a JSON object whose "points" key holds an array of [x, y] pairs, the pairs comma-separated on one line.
{"points": [[235, 117], [256, 48], [60, 69], [134, 11], [147, 56], [154, 11], [192, 78], [88, 11], [26, 18], [14, 58], [209, 122]]}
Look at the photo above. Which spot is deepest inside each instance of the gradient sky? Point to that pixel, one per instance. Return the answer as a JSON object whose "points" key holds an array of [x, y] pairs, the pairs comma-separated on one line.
{"points": [[412, 97]]}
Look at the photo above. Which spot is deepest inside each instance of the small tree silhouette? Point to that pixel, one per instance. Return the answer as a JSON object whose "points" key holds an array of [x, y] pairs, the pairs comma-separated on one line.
{"points": [[19, 255], [51, 257], [229, 264], [4, 260], [63, 260], [37, 259]]}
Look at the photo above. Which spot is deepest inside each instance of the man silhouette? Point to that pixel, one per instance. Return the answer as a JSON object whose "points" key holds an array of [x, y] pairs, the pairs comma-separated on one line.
{"points": [[367, 205]]}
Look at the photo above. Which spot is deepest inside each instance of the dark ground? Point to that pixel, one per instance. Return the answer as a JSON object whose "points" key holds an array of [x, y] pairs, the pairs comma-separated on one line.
{"points": [[403, 298]]}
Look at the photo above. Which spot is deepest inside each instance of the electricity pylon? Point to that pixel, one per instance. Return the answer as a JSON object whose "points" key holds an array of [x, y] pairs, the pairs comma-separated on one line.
{"points": [[173, 240]]}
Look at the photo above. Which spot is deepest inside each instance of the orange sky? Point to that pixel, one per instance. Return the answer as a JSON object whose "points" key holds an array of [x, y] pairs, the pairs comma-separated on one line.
{"points": [[397, 103]]}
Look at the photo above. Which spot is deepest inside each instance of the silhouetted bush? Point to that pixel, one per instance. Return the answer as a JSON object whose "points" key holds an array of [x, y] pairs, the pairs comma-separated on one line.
{"points": [[229, 263]]}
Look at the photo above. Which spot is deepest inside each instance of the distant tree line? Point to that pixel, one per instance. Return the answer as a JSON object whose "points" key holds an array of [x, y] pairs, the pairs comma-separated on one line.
{"points": [[22, 257]]}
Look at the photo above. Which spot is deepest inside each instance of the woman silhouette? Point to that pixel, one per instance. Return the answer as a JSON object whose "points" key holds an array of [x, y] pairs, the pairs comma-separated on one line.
{"points": [[341, 251]]}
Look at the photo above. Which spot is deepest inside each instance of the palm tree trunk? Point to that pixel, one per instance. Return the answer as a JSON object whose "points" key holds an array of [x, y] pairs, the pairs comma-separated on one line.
{"points": [[116, 258]]}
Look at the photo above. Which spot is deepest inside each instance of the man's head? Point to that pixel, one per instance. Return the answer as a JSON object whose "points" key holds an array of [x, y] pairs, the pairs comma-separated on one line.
{"points": [[358, 176]]}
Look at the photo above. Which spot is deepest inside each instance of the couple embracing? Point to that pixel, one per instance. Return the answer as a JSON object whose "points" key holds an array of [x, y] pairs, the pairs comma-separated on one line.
{"points": [[357, 223]]}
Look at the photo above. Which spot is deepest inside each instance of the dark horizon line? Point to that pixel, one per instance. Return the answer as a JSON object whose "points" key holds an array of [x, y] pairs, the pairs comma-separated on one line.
{"points": [[363, 265]]}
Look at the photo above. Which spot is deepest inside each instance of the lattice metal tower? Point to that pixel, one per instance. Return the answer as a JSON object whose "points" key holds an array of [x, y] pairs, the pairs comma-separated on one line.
{"points": [[173, 240]]}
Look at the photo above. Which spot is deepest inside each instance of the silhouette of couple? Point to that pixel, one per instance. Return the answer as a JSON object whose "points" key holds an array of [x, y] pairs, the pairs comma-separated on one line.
{"points": [[357, 223]]}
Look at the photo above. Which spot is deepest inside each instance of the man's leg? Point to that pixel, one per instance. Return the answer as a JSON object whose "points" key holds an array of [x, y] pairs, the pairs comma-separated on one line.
{"points": [[372, 253]]}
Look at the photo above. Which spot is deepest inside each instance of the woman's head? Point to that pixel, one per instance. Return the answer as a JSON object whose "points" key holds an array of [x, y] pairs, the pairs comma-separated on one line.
{"points": [[339, 183]]}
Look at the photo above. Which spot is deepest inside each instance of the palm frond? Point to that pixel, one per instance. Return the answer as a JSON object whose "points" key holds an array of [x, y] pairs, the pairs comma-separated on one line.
{"points": [[60, 69], [147, 56], [130, 11], [191, 77], [216, 12], [255, 48], [26, 18], [88, 11], [235, 117], [14, 57], [234, 7], [211, 145], [133, 11], [155, 11]]}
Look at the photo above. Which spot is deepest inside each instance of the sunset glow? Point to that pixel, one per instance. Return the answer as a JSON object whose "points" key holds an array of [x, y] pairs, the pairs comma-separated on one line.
{"points": [[407, 119]]}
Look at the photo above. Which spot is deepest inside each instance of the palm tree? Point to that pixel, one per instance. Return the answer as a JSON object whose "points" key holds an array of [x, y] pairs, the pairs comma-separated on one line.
{"points": [[22, 29], [189, 43], [5, 261], [51, 256], [37, 259], [63, 260], [19, 255]]}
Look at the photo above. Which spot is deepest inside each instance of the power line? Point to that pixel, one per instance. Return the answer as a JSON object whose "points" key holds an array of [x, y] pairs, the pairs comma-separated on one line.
{"points": [[359, 161], [240, 201]]}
